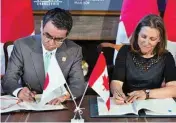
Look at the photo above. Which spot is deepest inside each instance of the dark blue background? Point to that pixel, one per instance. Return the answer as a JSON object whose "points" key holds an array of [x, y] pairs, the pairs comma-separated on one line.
{"points": [[104, 5]]}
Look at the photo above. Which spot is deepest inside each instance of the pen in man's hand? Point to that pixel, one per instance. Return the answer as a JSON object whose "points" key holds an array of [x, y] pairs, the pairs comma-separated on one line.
{"points": [[31, 91], [120, 95]]}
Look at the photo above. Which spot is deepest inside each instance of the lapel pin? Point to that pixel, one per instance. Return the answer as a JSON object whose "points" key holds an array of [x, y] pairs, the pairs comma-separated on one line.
{"points": [[64, 59]]}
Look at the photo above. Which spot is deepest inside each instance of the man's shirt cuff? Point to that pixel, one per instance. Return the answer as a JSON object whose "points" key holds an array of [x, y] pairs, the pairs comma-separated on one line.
{"points": [[15, 92]]}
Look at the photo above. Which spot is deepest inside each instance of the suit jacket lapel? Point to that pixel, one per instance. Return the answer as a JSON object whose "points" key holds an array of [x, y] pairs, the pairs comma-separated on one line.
{"points": [[37, 58], [61, 56]]}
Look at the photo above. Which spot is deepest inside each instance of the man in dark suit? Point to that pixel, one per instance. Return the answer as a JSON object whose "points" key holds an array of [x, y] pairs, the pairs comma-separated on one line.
{"points": [[27, 58]]}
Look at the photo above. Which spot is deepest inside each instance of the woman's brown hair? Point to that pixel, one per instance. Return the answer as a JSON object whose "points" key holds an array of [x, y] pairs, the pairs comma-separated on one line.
{"points": [[153, 21]]}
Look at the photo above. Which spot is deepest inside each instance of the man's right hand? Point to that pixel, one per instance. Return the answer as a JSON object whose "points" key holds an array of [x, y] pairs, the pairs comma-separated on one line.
{"points": [[26, 95]]}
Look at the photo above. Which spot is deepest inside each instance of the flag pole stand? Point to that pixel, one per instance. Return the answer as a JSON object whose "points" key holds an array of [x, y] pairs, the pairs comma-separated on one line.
{"points": [[79, 111], [78, 116]]}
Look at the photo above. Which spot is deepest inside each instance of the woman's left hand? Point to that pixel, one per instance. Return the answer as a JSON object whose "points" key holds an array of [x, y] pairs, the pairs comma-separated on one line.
{"points": [[59, 100], [136, 95]]}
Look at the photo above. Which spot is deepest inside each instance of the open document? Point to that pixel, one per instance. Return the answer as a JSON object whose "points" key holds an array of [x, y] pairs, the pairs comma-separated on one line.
{"points": [[151, 107], [10, 103]]}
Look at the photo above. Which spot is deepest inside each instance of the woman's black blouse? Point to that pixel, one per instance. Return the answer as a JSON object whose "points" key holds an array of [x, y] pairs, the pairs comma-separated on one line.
{"points": [[140, 73]]}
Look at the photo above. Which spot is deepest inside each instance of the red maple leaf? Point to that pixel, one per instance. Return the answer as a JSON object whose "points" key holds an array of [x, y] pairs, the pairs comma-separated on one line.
{"points": [[106, 82]]}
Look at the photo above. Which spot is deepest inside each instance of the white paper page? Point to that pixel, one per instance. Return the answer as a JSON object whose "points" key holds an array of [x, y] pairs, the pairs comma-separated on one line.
{"points": [[158, 106], [154, 113], [114, 108], [8, 100], [53, 94], [37, 107], [9, 103]]}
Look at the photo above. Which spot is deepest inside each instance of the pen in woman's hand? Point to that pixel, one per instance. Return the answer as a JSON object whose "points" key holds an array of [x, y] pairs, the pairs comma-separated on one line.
{"points": [[29, 87], [120, 95]]}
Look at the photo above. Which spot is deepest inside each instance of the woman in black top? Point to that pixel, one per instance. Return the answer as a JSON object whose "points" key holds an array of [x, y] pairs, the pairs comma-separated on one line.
{"points": [[141, 67]]}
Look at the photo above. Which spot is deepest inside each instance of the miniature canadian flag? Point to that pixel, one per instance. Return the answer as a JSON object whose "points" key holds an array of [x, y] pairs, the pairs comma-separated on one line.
{"points": [[99, 80]]}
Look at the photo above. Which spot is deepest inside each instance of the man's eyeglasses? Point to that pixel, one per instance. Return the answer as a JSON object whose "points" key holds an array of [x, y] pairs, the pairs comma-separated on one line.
{"points": [[56, 40]]}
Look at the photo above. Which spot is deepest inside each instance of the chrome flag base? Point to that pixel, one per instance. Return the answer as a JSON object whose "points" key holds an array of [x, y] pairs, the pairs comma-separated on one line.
{"points": [[77, 120], [78, 116]]}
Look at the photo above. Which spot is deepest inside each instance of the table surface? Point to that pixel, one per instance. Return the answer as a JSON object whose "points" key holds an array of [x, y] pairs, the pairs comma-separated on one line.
{"points": [[67, 115]]}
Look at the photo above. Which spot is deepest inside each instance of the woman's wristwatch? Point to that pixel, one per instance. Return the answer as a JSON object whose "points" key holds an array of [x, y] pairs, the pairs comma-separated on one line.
{"points": [[147, 92]]}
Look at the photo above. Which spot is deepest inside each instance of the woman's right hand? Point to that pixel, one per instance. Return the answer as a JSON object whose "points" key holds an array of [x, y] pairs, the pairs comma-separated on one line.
{"points": [[119, 97]]}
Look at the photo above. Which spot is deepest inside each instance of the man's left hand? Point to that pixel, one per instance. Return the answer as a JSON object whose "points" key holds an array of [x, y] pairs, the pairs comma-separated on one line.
{"points": [[59, 100], [136, 95]]}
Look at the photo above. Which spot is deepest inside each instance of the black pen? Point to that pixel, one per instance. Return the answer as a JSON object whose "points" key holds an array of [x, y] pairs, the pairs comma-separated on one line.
{"points": [[28, 85]]}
